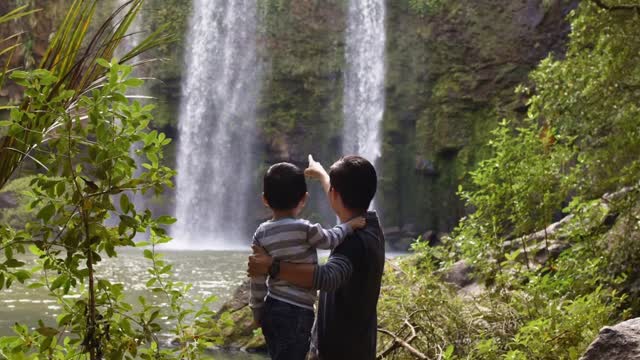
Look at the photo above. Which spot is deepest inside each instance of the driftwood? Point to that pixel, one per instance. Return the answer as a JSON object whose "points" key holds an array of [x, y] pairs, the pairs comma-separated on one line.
{"points": [[553, 229], [399, 342]]}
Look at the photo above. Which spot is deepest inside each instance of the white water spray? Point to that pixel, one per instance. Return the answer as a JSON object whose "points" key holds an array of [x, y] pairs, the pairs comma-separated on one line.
{"points": [[216, 126], [364, 97]]}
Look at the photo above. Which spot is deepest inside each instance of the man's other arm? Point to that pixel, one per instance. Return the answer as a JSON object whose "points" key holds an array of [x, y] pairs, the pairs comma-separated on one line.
{"points": [[327, 277]]}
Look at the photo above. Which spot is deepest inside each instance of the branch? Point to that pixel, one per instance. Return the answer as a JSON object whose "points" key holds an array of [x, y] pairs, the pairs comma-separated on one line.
{"points": [[601, 4], [400, 342]]}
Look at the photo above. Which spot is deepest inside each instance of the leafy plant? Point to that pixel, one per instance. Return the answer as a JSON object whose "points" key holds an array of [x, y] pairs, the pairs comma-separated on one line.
{"points": [[88, 161], [79, 126], [72, 71]]}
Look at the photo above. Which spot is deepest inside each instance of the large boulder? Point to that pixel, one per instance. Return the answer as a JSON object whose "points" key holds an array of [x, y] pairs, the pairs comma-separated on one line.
{"points": [[619, 342]]}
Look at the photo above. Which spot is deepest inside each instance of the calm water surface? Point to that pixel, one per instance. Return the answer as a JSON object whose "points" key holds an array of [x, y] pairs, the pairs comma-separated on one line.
{"points": [[210, 272]]}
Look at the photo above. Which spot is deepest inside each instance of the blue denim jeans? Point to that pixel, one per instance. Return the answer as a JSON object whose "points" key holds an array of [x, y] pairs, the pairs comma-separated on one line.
{"points": [[287, 329]]}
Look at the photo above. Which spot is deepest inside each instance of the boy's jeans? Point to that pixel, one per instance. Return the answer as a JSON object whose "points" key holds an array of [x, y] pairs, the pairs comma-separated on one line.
{"points": [[287, 329]]}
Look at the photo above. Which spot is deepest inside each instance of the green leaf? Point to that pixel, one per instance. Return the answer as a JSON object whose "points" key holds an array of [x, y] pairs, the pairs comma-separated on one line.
{"points": [[47, 331], [166, 269], [35, 250], [133, 82], [126, 326], [13, 263], [104, 63], [6, 123], [124, 203], [64, 319], [148, 254], [36, 285], [59, 281], [46, 212], [166, 220], [22, 275], [46, 343]]}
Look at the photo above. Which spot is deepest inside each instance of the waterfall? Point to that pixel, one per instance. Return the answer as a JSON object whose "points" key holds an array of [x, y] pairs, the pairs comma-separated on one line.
{"points": [[363, 103], [216, 126]]}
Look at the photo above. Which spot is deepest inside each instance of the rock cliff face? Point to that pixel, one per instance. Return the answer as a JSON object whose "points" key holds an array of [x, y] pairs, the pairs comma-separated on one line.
{"points": [[451, 74], [451, 78]]}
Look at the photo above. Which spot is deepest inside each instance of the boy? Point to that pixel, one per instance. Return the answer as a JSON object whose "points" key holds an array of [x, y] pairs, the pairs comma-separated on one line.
{"points": [[286, 315]]}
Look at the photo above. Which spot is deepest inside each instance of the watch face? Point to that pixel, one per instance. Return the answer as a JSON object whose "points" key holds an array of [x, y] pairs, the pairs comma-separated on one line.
{"points": [[274, 269]]}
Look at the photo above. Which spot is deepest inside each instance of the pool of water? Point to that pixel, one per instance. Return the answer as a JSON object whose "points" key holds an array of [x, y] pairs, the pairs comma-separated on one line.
{"points": [[210, 272]]}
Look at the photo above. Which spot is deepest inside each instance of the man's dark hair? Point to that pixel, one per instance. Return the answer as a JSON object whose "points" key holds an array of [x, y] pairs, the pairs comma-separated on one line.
{"points": [[355, 179], [284, 186]]}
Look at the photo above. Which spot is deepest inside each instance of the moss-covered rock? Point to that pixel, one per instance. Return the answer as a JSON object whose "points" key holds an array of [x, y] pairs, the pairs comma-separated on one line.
{"points": [[233, 327]]}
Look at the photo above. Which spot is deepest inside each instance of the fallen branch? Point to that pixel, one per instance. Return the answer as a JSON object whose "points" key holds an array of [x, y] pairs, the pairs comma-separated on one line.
{"points": [[398, 342]]}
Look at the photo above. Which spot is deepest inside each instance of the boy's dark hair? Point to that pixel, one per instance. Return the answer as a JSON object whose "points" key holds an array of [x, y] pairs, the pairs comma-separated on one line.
{"points": [[284, 186], [355, 179]]}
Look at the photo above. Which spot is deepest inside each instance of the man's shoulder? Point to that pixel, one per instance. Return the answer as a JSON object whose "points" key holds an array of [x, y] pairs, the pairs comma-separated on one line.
{"points": [[352, 246]]}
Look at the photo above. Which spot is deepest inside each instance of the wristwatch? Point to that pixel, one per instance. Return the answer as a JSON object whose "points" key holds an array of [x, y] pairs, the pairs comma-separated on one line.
{"points": [[274, 269]]}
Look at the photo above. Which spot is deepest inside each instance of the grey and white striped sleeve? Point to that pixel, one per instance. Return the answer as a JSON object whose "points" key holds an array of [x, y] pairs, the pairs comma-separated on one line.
{"points": [[257, 291], [333, 274], [327, 239]]}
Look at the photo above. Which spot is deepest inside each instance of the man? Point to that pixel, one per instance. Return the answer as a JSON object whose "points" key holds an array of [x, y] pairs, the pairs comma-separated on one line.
{"points": [[349, 282]]}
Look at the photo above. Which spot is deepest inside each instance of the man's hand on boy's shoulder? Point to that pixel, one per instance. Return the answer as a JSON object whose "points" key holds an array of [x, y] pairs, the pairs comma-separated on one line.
{"points": [[357, 223]]}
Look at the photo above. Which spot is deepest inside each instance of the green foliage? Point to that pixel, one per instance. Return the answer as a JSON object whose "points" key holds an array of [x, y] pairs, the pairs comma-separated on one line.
{"points": [[592, 94], [412, 296], [15, 191], [516, 192], [424, 7], [69, 69], [88, 161], [573, 158]]}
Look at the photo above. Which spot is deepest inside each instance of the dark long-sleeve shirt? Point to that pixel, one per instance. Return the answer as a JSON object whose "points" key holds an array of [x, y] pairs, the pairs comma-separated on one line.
{"points": [[349, 285]]}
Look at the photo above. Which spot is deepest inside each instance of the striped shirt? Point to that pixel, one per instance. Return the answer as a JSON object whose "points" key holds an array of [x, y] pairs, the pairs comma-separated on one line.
{"points": [[293, 241]]}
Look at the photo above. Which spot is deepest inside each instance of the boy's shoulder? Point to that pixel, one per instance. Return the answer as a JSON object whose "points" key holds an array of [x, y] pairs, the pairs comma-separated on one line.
{"points": [[284, 225]]}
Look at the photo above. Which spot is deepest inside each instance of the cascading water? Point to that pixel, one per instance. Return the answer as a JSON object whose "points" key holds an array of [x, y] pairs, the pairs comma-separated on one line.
{"points": [[363, 103], [216, 129]]}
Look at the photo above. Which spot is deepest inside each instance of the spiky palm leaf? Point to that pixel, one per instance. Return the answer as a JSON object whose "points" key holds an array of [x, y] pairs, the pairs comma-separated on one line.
{"points": [[72, 57], [9, 44]]}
